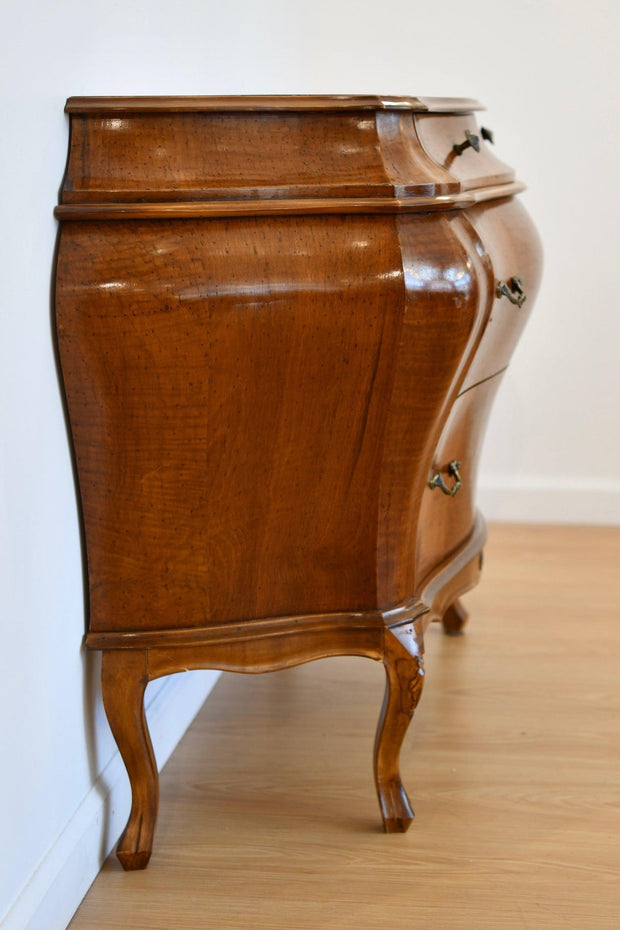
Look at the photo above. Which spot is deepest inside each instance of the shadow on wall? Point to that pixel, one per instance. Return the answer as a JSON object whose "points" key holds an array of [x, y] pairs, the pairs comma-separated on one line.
{"points": [[93, 706]]}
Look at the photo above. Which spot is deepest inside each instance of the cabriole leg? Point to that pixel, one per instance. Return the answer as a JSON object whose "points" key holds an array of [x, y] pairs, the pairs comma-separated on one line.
{"points": [[123, 679], [404, 667], [455, 619]]}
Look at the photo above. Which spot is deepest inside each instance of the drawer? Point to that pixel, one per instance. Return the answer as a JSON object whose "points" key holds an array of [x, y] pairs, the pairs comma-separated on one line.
{"points": [[445, 520], [509, 242], [438, 136]]}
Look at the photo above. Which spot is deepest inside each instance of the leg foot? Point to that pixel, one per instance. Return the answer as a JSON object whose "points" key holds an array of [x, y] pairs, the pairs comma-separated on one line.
{"points": [[124, 678], [455, 619], [404, 679]]}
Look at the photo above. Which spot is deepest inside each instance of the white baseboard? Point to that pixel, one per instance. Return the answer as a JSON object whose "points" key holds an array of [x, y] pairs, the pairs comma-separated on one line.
{"points": [[56, 889], [550, 501]]}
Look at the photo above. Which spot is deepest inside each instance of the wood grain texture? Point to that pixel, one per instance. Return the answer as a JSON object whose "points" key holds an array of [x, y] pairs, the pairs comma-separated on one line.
{"points": [[260, 455], [267, 818], [213, 156], [164, 152], [258, 401], [236, 457]]}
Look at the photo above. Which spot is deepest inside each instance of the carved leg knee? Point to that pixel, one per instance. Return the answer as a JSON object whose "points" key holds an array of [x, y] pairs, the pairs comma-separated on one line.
{"points": [[404, 679], [124, 678]]}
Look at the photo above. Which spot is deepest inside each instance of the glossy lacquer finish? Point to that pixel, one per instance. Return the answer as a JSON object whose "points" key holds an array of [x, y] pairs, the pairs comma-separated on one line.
{"points": [[280, 327]]}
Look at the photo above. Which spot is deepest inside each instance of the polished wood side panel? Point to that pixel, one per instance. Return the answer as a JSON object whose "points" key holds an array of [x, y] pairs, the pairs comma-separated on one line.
{"points": [[228, 385], [439, 134], [257, 457], [223, 156]]}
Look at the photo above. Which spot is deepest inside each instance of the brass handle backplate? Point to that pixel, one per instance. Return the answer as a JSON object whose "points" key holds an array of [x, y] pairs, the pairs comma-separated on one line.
{"points": [[513, 290], [438, 482]]}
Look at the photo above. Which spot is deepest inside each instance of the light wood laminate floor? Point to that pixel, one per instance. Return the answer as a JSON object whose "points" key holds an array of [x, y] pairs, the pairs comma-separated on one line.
{"points": [[512, 764]]}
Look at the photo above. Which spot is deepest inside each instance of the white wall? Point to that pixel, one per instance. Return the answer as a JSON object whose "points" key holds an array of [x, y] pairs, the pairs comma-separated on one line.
{"points": [[548, 71]]}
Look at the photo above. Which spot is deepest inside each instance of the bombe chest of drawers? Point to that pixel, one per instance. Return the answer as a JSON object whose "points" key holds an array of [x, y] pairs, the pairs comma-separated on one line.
{"points": [[281, 325]]}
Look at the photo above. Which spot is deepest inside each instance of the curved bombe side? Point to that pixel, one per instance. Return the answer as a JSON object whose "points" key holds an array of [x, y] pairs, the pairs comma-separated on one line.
{"points": [[278, 372]]}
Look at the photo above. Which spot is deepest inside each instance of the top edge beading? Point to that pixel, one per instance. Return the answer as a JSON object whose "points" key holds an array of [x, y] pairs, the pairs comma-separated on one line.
{"points": [[108, 105]]}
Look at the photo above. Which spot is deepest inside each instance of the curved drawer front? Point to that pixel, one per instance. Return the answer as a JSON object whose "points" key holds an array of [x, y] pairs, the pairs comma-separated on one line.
{"points": [[513, 250], [476, 164], [446, 521]]}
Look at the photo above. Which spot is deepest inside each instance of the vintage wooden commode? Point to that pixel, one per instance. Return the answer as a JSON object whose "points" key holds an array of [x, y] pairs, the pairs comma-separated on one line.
{"points": [[281, 324]]}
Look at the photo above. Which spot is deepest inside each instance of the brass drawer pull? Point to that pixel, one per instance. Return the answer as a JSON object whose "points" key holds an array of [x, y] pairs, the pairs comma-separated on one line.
{"points": [[471, 141], [438, 482], [513, 290]]}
